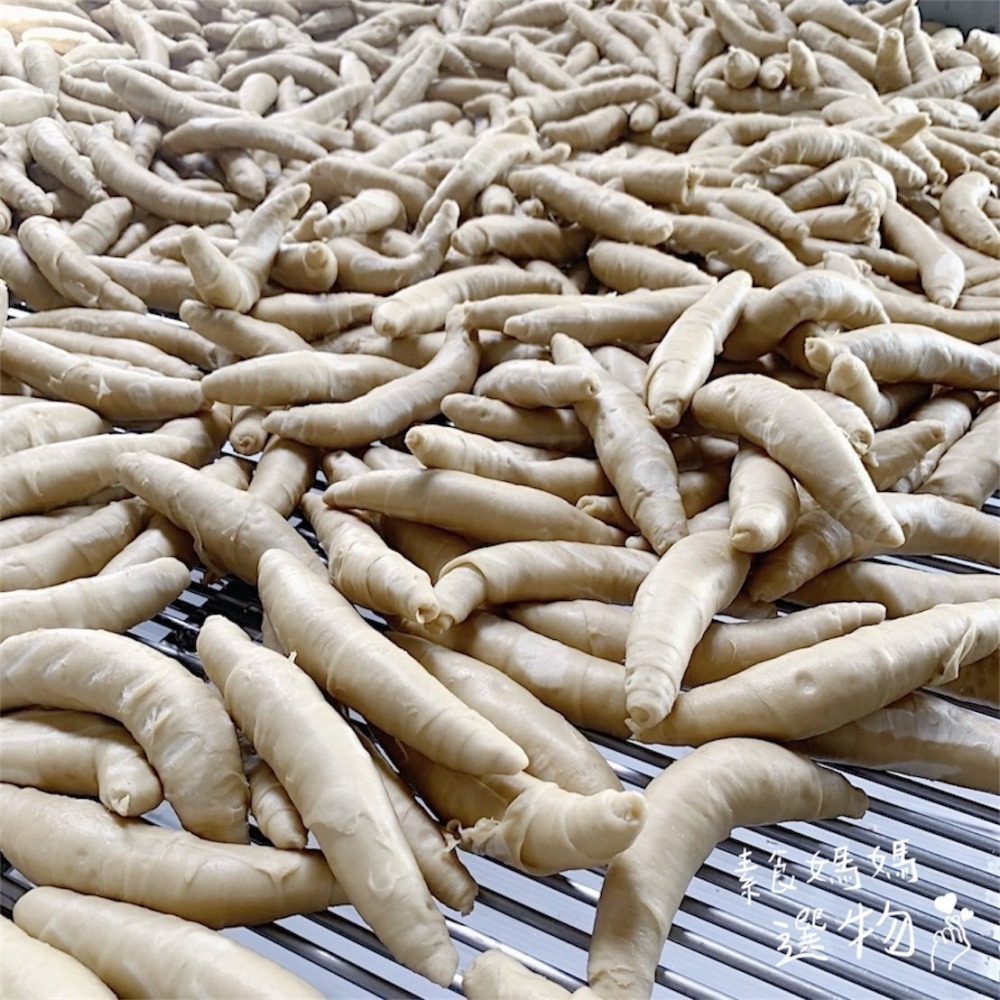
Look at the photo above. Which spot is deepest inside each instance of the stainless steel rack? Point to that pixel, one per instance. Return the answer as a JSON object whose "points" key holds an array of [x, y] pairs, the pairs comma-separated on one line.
{"points": [[741, 931]]}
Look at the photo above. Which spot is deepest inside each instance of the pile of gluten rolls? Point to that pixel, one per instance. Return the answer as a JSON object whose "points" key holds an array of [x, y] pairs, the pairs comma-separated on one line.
{"points": [[595, 351]]}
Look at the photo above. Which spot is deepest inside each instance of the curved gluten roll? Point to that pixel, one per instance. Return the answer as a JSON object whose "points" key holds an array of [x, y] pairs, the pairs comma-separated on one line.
{"points": [[276, 816], [795, 432], [239, 333], [546, 829], [179, 722], [371, 211], [725, 649], [921, 735], [76, 844], [682, 361], [494, 975], [53, 149], [954, 409], [909, 352], [163, 538], [283, 474], [763, 501], [115, 166], [339, 650], [236, 281], [537, 570], [149, 329], [69, 270], [361, 268], [387, 408], [590, 626], [422, 307], [820, 146], [53, 475], [470, 505], [339, 794], [969, 471], [900, 589], [942, 273], [520, 237], [639, 316], [606, 212], [695, 579], [740, 244], [447, 878], [34, 970], [569, 477], [556, 750], [300, 377], [116, 394], [77, 753], [46, 421], [365, 569], [27, 527], [896, 451], [189, 960], [531, 382], [76, 550], [490, 157], [230, 528], [932, 525], [550, 428], [534, 825], [636, 459], [751, 782], [810, 691], [962, 214], [819, 295], [587, 690], [850, 378]]}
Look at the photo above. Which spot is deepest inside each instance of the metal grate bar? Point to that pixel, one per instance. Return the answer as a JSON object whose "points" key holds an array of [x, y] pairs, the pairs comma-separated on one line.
{"points": [[11, 890], [931, 824], [958, 976], [845, 970], [745, 928], [484, 942], [927, 792], [348, 971], [785, 905], [920, 919], [361, 935], [947, 866], [741, 963], [808, 845]]}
